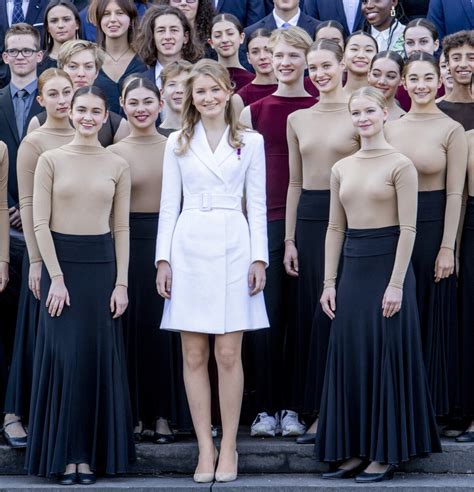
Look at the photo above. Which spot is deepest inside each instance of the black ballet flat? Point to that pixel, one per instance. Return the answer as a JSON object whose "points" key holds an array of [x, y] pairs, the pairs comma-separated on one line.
{"points": [[68, 479], [14, 442], [376, 477], [465, 437], [340, 473], [306, 438], [86, 478], [163, 438]]}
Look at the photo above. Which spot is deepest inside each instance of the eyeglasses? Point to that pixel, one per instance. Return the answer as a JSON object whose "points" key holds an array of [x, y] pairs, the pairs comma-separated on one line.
{"points": [[176, 2], [26, 52]]}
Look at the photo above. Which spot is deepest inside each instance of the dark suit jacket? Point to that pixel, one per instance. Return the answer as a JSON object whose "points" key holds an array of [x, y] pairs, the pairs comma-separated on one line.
{"points": [[247, 11], [34, 16], [333, 10], [450, 16], [9, 135]]}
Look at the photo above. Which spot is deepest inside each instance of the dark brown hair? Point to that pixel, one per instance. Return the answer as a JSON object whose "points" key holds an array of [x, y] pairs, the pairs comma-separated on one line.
{"points": [[48, 41], [141, 82], [90, 89], [328, 45], [422, 22], [334, 24], [391, 55], [228, 18], [145, 40], [457, 40], [424, 57]]}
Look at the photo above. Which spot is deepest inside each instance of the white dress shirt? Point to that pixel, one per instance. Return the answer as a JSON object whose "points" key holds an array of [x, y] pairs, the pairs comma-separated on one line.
{"points": [[350, 9], [293, 21], [24, 7], [391, 39], [158, 70]]}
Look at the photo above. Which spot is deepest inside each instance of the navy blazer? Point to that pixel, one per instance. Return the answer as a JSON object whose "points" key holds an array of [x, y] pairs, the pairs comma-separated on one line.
{"points": [[247, 11], [9, 135], [325, 10], [450, 16], [34, 16], [309, 24]]}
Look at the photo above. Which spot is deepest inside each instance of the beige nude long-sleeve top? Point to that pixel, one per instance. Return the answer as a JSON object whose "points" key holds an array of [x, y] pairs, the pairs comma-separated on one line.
{"points": [[372, 189], [76, 189], [437, 146], [31, 147], [145, 158], [318, 137], [4, 216], [470, 163]]}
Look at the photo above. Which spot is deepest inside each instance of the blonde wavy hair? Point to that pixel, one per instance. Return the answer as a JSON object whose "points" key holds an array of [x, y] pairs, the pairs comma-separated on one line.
{"points": [[191, 115]]}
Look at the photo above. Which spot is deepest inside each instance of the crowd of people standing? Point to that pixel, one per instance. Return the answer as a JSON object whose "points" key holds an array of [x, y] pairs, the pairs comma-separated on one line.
{"points": [[210, 203]]}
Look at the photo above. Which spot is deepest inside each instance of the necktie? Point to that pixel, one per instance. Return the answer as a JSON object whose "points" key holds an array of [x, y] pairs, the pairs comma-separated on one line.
{"points": [[20, 109], [285, 25], [17, 15]]}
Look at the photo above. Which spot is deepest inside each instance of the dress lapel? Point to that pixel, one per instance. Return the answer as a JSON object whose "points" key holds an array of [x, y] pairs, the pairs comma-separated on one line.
{"points": [[6, 106], [199, 146]]}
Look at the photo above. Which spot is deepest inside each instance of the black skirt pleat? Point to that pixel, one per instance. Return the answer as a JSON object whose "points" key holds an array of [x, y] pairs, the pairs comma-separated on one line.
{"points": [[437, 304], [80, 407], [154, 358], [311, 327], [466, 298], [375, 402], [17, 398]]}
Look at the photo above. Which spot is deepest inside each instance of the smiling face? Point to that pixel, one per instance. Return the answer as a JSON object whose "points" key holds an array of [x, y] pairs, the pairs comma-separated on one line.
{"points": [[422, 82], [461, 64], [115, 21], [419, 39], [88, 114], [385, 75], [377, 12], [56, 96], [226, 39], [367, 116], [62, 24], [324, 70], [209, 97], [142, 108], [289, 63], [173, 92], [169, 35], [359, 53], [82, 69], [259, 56], [332, 34]]}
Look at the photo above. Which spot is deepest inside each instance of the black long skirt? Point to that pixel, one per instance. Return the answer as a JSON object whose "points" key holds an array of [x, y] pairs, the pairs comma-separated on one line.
{"points": [[312, 326], [376, 402], [437, 305], [153, 356], [17, 398], [80, 406], [466, 297]]}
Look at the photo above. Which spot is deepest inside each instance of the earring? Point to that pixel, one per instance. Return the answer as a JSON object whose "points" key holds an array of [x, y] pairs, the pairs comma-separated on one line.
{"points": [[393, 12]]}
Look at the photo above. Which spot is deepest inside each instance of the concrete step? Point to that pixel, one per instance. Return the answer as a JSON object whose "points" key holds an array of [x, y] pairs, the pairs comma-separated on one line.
{"points": [[274, 455], [411, 482]]}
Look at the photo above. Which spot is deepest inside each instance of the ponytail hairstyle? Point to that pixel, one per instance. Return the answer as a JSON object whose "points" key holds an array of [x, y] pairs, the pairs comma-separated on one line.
{"points": [[362, 33], [371, 93], [137, 82], [227, 18], [328, 45], [334, 25], [422, 22], [191, 115], [262, 32], [391, 55], [424, 57], [95, 91]]}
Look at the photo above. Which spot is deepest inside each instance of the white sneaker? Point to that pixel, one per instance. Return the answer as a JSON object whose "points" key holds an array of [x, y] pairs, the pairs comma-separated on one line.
{"points": [[265, 425], [290, 424]]}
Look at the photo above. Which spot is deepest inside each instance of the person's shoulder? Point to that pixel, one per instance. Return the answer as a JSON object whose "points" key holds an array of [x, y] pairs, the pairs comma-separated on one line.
{"points": [[251, 137], [259, 24], [3, 149], [299, 115]]}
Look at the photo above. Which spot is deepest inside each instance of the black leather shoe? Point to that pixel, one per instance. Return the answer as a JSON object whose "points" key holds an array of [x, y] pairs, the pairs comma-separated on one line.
{"points": [[86, 478], [163, 438], [340, 473], [68, 479], [376, 477], [465, 437], [14, 442], [306, 438]]}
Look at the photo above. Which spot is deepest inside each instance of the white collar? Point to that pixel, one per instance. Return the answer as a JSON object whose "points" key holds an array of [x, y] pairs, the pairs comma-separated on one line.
{"points": [[293, 21]]}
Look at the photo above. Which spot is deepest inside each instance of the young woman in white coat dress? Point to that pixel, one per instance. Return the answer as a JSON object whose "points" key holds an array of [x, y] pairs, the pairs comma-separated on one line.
{"points": [[211, 261]]}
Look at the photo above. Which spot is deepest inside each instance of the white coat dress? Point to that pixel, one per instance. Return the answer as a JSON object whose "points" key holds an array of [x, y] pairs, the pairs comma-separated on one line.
{"points": [[209, 243]]}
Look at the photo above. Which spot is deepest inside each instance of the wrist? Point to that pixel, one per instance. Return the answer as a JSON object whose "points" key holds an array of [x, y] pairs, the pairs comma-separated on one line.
{"points": [[58, 279]]}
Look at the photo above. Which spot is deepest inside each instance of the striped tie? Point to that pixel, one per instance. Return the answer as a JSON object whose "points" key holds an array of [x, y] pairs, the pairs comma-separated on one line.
{"points": [[17, 15]]}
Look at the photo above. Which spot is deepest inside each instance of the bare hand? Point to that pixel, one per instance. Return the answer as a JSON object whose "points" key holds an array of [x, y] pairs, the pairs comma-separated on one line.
{"points": [[3, 275], [328, 301], [57, 296], [444, 264], [15, 218], [392, 301], [119, 301], [34, 278], [164, 278], [257, 277], [290, 259]]}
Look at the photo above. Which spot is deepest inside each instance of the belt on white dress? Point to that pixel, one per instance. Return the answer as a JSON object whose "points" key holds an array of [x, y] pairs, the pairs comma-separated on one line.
{"points": [[208, 201]]}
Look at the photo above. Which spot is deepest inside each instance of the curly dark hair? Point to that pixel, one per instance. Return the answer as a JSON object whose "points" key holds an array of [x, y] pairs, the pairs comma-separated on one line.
{"points": [[203, 22], [145, 42]]}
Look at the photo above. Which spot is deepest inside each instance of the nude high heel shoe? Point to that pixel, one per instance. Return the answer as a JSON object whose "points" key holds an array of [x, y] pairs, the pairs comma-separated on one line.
{"points": [[229, 476], [207, 477]]}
